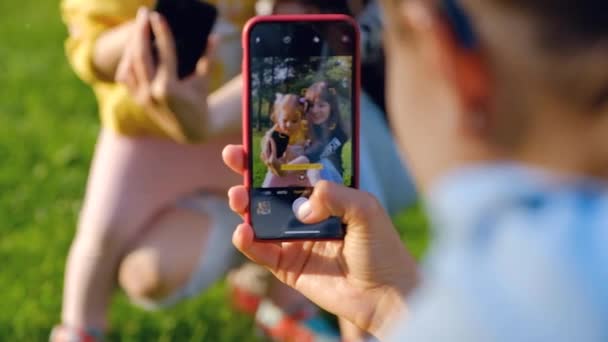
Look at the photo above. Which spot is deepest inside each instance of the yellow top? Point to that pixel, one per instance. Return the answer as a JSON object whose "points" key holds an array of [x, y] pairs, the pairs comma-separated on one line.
{"points": [[301, 134], [87, 19]]}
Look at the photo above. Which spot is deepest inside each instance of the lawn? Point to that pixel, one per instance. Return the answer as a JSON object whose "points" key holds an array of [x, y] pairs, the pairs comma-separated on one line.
{"points": [[48, 126]]}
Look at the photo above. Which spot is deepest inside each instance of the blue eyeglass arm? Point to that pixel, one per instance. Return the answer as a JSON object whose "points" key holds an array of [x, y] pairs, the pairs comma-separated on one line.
{"points": [[460, 23]]}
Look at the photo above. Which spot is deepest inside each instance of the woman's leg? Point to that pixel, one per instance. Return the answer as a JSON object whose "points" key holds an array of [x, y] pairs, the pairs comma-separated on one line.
{"points": [[182, 253], [165, 256], [131, 183]]}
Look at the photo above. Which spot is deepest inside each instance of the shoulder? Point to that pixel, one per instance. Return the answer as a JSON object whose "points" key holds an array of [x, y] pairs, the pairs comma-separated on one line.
{"points": [[522, 261]]}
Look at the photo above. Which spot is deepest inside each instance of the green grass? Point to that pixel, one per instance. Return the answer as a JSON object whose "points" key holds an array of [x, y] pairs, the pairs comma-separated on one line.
{"points": [[48, 126]]}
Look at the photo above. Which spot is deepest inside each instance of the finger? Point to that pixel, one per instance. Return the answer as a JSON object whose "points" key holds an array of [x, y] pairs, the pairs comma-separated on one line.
{"points": [[122, 69], [124, 66], [263, 253], [167, 58], [128, 78], [206, 60], [238, 199], [202, 68], [142, 58], [330, 199], [200, 76], [234, 157], [212, 44]]}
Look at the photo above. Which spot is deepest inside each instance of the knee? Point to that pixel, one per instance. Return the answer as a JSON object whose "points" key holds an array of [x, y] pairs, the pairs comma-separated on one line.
{"points": [[141, 277]]}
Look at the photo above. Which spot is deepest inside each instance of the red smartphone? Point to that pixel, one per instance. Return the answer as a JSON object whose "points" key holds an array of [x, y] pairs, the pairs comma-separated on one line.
{"points": [[191, 23], [300, 118]]}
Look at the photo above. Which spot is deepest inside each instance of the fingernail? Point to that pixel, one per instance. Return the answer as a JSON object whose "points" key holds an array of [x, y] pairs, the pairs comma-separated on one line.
{"points": [[141, 12], [301, 207], [154, 16]]}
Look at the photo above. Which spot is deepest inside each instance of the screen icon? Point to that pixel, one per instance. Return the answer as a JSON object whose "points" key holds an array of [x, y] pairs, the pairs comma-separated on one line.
{"points": [[287, 40], [316, 39], [257, 40], [264, 208], [345, 39]]}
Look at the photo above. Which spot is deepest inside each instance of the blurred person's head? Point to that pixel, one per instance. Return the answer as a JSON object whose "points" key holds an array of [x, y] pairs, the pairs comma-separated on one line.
{"points": [[472, 81]]}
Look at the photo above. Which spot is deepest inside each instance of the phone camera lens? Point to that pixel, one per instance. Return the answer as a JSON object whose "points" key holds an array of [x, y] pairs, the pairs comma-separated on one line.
{"points": [[287, 40]]}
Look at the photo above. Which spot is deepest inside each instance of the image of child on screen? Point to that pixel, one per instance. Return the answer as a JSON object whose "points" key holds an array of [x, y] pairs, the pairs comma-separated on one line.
{"points": [[287, 138]]}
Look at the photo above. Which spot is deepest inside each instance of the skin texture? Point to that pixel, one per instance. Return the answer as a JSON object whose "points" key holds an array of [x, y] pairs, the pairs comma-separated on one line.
{"points": [[319, 112], [450, 107]]}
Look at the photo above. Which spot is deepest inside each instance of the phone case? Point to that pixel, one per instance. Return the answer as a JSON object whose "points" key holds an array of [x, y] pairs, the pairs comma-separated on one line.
{"points": [[191, 23], [246, 79]]}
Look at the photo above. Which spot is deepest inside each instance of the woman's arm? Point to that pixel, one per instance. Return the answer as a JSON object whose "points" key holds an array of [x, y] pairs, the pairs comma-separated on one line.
{"points": [[225, 108], [319, 148], [314, 151]]}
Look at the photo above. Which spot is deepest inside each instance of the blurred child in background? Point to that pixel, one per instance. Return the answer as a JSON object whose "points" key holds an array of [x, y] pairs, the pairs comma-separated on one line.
{"points": [[155, 217]]}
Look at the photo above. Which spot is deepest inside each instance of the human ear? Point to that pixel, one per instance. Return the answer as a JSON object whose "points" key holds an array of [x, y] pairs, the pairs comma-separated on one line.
{"points": [[460, 59]]}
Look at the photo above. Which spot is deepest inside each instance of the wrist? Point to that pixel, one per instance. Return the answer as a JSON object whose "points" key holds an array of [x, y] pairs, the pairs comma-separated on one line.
{"points": [[392, 304], [390, 307]]}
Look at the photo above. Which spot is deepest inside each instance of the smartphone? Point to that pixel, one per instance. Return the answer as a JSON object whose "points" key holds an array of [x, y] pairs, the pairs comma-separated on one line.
{"points": [[191, 22], [300, 118]]}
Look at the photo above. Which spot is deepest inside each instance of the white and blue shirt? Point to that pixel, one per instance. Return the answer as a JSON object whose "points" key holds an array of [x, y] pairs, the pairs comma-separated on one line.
{"points": [[517, 255]]}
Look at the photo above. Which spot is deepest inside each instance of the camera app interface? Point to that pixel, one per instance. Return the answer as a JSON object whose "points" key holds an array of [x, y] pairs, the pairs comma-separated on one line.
{"points": [[301, 121]]}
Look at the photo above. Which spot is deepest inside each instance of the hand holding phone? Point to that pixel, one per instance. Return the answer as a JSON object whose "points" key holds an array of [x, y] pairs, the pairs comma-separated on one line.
{"points": [[178, 106], [370, 264], [301, 108]]}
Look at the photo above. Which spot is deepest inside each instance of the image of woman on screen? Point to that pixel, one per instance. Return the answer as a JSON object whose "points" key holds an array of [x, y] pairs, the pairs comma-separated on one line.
{"points": [[327, 137]]}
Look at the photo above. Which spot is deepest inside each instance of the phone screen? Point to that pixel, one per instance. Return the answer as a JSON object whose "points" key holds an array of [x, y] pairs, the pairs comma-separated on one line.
{"points": [[302, 121]]}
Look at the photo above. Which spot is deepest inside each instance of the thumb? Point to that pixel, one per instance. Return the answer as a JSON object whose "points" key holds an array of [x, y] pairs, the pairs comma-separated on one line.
{"points": [[354, 207], [205, 62]]}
